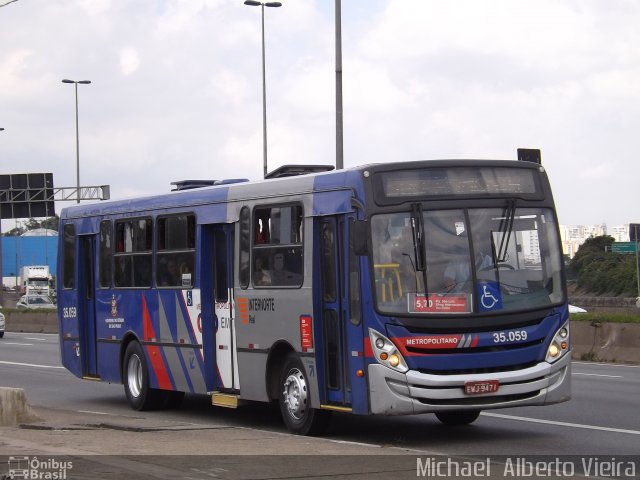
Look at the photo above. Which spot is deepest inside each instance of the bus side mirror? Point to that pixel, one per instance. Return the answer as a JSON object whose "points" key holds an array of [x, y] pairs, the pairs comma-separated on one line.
{"points": [[358, 236]]}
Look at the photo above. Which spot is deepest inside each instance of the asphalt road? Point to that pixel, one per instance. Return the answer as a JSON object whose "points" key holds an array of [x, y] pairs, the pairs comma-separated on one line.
{"points": [[602, 418]]}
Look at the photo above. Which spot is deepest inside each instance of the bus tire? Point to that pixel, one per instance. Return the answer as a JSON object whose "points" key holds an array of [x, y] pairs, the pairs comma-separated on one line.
{"points": [[295, 400], [135, 374], [458, 417]]}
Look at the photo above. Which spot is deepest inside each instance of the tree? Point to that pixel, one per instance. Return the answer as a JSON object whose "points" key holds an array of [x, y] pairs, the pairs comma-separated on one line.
{"points": [[599, 271], [50, 223]]}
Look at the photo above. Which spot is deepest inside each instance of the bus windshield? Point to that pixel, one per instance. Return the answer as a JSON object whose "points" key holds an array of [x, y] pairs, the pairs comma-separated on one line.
{"points": [[477, 260]]}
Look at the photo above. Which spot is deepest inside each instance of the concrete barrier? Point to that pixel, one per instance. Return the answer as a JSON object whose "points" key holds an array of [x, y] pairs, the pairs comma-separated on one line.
{"points": [[606, 342], [14, 408], [606, 304], [31, 322]]}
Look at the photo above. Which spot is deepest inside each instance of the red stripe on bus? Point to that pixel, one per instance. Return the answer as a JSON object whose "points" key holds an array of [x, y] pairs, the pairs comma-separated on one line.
{"points": [[154, 353]]}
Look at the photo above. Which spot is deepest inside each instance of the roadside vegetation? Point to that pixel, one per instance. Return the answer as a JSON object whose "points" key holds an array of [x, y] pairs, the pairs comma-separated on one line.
{"points": [[599, 272], [606, 317]]}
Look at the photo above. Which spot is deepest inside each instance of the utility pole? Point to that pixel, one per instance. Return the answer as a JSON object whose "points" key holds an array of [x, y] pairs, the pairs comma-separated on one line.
{"points": [[339, 115]]}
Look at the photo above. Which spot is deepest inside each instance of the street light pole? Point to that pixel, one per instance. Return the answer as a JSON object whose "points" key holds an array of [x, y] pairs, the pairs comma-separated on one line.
{"points": [[339, 115], [82, 82], [254, 3], [637, 265]]}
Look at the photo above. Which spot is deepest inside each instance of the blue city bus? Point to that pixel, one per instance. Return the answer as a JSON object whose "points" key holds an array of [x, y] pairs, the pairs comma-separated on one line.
{"points": [[389, 289]]}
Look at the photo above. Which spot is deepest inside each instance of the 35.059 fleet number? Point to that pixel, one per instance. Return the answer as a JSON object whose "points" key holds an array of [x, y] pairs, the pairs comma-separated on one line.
{"points": [[511, 336]]}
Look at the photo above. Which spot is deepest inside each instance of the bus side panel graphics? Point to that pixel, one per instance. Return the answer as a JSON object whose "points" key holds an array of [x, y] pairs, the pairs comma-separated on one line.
{"points": [[176, 361], [159, 373], [117, 312], [68, 327], [224, 344], [70, 354], [185, 360]]}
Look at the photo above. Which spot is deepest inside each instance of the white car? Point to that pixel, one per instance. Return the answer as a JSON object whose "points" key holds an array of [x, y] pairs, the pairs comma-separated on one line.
{"points": [[574, 309], [35, 302], [1, 324]]}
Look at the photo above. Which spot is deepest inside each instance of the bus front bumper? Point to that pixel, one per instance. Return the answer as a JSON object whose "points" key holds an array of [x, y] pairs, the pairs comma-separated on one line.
{"points": [[394, 393]]}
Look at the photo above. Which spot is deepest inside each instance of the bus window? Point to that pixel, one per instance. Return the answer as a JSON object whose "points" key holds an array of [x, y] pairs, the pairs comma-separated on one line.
{"points": [[245, 247], [106, 252], [132, 258], [220, 262], [277, 249], [69, 257], [175, 260]]}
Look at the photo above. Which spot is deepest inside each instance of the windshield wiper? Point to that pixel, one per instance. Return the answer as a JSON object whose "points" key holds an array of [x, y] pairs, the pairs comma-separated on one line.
{"points": [[419, 250], [506, 228]]}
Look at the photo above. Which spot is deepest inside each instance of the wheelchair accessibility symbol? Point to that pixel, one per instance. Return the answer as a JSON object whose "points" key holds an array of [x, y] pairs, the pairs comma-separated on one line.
{"points": [[490, 298]]}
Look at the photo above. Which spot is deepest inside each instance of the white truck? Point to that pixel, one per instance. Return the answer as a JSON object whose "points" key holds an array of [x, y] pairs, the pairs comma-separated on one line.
{"points": [[34, 280]]}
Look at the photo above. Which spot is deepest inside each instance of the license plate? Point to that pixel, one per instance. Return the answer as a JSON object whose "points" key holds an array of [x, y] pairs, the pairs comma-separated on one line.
{"points": [[478, 388]]}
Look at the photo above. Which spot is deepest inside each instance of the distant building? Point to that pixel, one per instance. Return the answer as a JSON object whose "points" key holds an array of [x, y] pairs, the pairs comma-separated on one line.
{"points": [[620, 233], [35, 247], [573, 236]]}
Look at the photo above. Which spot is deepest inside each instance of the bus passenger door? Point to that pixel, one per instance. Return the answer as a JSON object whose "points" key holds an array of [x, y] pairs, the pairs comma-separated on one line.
{"points": [[86, 306], [337, 331], [224, 324]]}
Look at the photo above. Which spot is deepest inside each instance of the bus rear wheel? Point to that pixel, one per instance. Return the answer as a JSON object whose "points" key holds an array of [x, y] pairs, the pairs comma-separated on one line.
{"points": [[295, 400], [458, 417], [136, 380]]}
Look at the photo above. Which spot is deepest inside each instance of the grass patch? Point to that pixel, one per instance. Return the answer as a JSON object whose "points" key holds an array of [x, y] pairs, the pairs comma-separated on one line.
{"points": [[604, 317], [21, 311]]}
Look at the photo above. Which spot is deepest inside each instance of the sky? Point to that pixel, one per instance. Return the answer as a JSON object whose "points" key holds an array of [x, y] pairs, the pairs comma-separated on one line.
{"points": [[176, 90]]}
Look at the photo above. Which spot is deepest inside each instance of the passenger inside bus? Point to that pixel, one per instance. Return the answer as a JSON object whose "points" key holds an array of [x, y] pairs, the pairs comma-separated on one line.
{"points": [[280, 275], [458, 270], [169, 275], [261, 276]]}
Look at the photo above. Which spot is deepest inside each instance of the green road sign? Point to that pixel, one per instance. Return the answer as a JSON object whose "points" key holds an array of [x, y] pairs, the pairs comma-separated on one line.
{"points": [[623, 247]]}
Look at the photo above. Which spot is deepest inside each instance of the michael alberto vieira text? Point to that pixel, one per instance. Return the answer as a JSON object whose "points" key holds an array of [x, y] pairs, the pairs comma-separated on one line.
{"points": [[522, 467]]}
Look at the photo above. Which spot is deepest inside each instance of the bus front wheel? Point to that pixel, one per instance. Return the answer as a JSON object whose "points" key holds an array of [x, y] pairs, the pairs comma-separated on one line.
{"points": [[136, 379], [460, 417], [295, 400]]}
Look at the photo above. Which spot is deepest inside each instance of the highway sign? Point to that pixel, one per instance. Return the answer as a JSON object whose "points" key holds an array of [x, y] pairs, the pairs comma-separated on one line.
{"points": [[623, 247]]}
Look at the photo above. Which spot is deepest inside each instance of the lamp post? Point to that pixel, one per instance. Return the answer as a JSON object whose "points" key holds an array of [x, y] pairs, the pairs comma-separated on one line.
{"points": [[339, 113], [82, 82], [254, 3]]}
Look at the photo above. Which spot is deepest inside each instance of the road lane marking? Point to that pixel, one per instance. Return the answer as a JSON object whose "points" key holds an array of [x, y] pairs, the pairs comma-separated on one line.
{"points": [[596, 375], [562, 424], [16, 343], [35, 338], [97, 413], [619, 365], [18, 364]]}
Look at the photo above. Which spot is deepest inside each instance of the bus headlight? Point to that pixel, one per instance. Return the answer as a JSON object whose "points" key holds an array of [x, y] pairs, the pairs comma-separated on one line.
{"points": [[559, 345], [386, 352]]}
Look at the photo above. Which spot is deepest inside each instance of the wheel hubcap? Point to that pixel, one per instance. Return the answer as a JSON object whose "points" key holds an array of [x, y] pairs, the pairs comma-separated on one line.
{"points": [[134, 375], [295, 394]]}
